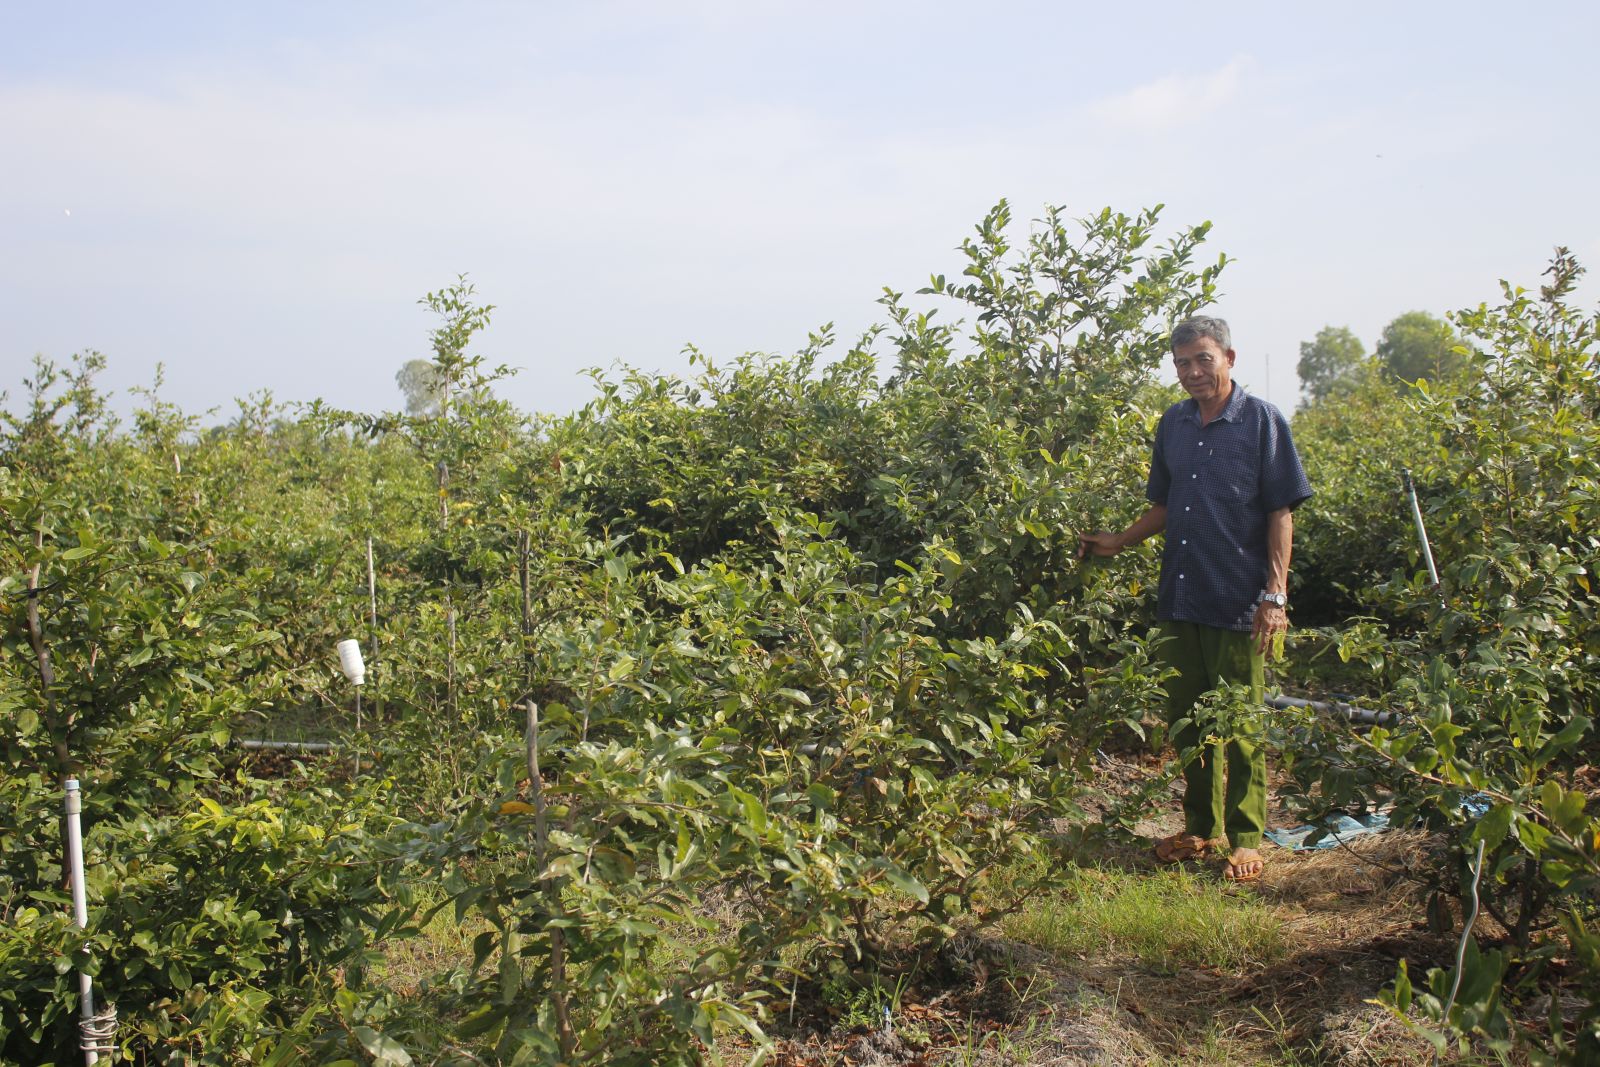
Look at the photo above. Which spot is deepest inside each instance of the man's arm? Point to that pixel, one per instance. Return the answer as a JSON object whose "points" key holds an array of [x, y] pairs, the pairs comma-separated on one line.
{"points": [[1280, 540], [1271, 619], [1152, 522]]}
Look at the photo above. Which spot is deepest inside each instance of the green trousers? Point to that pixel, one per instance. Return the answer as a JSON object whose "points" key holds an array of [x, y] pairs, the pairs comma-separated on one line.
{"points": [[1205, 658]]}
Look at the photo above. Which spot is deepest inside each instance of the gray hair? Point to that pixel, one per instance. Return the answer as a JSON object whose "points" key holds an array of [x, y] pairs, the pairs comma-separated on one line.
{"points": [[1193, 329]]}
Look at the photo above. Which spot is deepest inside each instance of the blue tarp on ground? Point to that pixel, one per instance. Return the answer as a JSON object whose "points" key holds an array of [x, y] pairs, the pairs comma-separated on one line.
{"points": [[1340, 828], [1335, 828]]}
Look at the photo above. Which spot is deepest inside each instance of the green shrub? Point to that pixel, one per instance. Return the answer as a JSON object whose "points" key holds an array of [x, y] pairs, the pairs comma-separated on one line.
{"points": [[1497, 672], [1356, 533]]}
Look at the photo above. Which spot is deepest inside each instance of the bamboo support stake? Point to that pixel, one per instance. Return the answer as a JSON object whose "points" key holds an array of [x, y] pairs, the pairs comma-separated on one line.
{"points": [[372, 630], [450, 656], [558, 941], [523, 548], [60, 728]]}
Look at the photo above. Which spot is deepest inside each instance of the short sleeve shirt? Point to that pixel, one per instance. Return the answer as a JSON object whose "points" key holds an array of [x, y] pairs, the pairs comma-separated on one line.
{"points": [[1219, 482]]}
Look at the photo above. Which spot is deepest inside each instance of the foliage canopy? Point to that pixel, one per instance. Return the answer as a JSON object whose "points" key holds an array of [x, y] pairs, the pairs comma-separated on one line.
{"points": [[788, 648]]}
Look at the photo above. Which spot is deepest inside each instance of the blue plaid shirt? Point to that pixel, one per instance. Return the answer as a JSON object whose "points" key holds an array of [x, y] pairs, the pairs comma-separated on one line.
{"points": [[1219, 483]]}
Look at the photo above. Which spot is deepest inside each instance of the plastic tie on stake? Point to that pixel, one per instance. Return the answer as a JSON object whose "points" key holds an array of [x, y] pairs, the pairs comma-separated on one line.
{"points": [[98, 1033]]}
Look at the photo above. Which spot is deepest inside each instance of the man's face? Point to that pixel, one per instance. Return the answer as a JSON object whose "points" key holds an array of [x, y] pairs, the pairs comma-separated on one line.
{"points": [[1204, 368]]}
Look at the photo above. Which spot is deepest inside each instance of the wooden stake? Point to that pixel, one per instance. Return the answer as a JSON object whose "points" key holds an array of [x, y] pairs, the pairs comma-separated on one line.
{"points": [[372, 632], [523, 545], [552, 888]]}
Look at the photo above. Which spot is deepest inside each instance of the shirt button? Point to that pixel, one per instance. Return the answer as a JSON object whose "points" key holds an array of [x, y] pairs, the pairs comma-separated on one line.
{"points": [[1186, 507], [1185, 540], [1180, 576], [1202, 444], [1194, 476]]}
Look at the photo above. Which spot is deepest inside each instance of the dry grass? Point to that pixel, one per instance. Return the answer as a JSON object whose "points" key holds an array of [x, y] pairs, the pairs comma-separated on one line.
{"points": [[1347, 916], [1130, 964], [443, 944], [1372, 866], [1344, 917]]}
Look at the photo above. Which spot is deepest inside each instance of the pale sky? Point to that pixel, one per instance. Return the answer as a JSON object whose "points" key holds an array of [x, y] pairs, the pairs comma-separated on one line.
{"points": [[257, 196]]}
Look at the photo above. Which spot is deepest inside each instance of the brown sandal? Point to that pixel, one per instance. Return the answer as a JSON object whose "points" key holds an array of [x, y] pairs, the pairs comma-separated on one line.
{"points": [[1181, 847], [1235, 870]]}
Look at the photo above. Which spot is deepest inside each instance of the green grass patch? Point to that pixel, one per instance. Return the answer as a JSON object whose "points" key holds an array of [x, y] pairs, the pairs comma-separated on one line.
{"points": [[1169, 919]]}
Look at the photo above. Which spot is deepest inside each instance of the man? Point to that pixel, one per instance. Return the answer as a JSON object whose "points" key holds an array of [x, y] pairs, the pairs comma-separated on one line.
{"points": [[1224, 482]]}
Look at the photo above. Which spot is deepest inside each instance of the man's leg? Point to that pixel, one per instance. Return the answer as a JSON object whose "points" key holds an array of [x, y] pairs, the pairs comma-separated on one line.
{"points": [[1203, 794], [1245, 802]]}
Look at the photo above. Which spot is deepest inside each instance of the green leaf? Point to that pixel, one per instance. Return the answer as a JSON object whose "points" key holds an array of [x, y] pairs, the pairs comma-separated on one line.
{"points": [[1533, 836], [1402, 989], [1494, 826], [1570, 814], [613, 865], [482, 1021], [1557, 873], [904, 882], [510, 974], [482, 945], [754, 813], [385, 1050], [1568, 735], [285, 1052]]}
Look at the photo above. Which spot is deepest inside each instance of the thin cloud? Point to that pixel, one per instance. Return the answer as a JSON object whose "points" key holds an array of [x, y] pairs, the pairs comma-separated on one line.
{"points": [[1172, 100]]}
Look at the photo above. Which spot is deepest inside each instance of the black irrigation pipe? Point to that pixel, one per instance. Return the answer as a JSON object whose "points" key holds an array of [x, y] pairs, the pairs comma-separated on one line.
{"points": [[1326, 707], [285, 746], [319, 748], [1336, 707]]}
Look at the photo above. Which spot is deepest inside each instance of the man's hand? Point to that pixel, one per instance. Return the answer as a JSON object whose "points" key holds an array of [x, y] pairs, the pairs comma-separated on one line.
{"points": [[1099, 543], [1270, 621]]}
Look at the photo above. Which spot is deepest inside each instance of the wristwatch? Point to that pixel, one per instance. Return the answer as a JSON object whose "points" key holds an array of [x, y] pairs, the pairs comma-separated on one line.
{"points": [[1280, 599]]}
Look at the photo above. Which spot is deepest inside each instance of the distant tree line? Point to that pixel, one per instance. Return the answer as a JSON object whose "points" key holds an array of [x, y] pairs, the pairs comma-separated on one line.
{"points": [[1414, 346]]}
